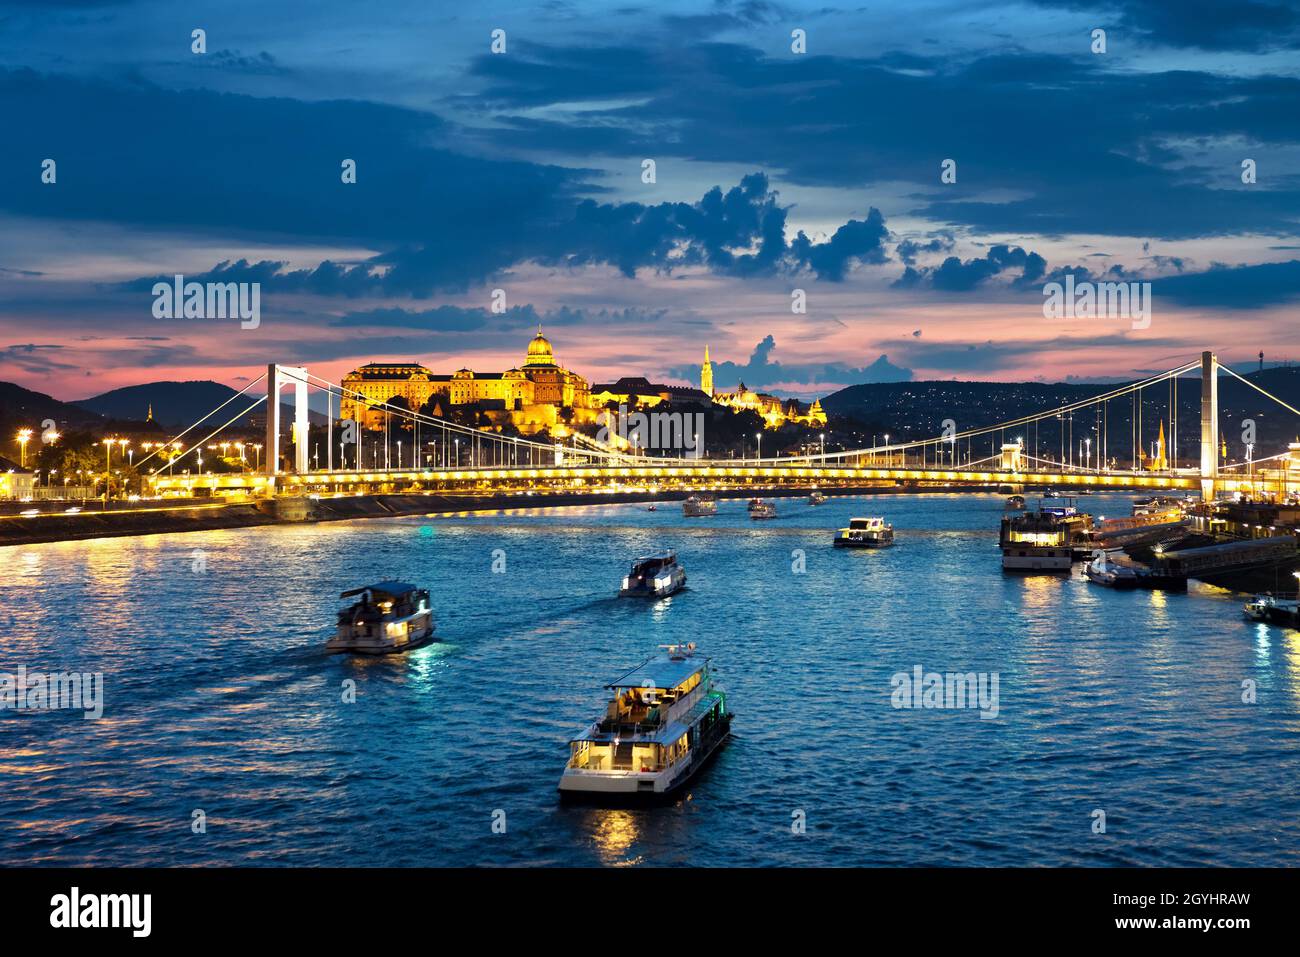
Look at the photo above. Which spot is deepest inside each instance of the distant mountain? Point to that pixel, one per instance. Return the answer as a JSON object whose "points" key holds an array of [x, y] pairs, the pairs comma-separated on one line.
{"points": [[918, 409], [183, 403], [19, 405], [173, 403]]}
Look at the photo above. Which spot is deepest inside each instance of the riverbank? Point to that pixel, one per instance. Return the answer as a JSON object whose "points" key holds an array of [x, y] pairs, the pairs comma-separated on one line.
{"points": [[155, 518]]}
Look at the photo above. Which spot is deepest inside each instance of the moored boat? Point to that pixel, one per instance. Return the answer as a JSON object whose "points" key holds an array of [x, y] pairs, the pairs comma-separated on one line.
{"points": [[1045, 540], [1102, 571], [871, 532], [653, 576], [1273, 609], [666, 719], [390, 617]]}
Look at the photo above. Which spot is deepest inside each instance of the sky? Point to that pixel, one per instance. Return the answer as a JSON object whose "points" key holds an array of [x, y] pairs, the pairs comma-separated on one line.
{"points": [[799, 154]]}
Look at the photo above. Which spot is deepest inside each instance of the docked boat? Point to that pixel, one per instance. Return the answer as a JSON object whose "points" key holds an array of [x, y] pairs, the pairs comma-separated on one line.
{"points": [[871, 532], [1102, 571], [654, 576], [1270, 608], [698, 506], [664, 722], [1046, 540], [762, 510], [816, 498], [388, 617]]}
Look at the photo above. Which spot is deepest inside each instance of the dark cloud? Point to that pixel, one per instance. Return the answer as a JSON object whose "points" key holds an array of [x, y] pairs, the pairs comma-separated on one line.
{"points": [[762, 372], [1131, 157], [1253, 25], [954, 275], [1233, 287], [740, 233]]}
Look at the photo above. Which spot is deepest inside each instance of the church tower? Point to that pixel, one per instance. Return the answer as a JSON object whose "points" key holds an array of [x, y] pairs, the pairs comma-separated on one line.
{"points": [[706, 375]]}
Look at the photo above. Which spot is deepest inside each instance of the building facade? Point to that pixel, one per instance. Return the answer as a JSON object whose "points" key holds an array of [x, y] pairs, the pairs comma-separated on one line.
{"points": [[531, 398]]}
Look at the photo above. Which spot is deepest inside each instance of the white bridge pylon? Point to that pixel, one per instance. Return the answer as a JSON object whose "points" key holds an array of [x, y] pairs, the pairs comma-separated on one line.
{"points": [[277, 377]]}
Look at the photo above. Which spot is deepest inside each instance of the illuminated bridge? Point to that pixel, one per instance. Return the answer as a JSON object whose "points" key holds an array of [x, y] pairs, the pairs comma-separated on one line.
{"points": [[440, 455]]}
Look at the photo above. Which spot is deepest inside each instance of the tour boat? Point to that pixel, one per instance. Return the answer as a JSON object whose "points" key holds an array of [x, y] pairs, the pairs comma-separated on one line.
{"points": [[1046, 540], [816, 498], [755, 503], [653, 576], [1102, 571], [1015, 502], [664, 722], [698, 506], [865, 533], [762, 510], [389, 617]]}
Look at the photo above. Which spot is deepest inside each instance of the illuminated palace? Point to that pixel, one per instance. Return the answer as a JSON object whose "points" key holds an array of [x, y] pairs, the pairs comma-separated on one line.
{"points": [[531, 398], [543, 395], [775, 413]]}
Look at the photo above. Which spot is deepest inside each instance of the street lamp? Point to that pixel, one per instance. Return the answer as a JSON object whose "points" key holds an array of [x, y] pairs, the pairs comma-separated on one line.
{"points": [[822, 438], [887, 455], [24, 436], [758, 439]]}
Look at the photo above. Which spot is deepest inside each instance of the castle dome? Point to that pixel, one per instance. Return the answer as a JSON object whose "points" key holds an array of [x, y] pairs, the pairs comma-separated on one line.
{"points": [[539, 351]]}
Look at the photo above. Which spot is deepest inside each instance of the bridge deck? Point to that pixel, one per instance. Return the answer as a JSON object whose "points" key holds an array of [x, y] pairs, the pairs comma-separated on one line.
{"points": [[684, 475]]}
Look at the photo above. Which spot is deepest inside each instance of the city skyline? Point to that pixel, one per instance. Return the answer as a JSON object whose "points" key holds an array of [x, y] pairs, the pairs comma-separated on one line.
{"points": [[524, 171]]}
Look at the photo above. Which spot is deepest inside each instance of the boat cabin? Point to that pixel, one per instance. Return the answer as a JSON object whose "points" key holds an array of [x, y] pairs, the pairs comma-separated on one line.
{"points": [[647, 566], [651, 720], [383, 601]]}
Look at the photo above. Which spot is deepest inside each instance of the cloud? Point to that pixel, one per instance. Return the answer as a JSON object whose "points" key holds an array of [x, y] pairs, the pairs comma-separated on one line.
{"points": [[1133, 144], [954, 275], [1233, 287], [740, 232], [761, 371], [1253, 25]]}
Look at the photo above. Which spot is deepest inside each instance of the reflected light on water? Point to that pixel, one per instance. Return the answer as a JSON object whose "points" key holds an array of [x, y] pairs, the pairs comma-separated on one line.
{"points": [[613, 832]]}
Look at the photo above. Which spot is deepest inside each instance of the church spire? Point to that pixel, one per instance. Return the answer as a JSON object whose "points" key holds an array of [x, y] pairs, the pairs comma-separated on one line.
{"points": [[706, 375]]}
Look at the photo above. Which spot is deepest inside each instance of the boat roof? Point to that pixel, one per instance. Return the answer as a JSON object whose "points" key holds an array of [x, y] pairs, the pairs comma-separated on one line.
{"points": [[393, 588], [662, 671], [657, 557]]}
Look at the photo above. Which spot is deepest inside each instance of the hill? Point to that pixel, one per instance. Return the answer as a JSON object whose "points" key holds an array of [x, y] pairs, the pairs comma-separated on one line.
{"points": [[173, 403]]}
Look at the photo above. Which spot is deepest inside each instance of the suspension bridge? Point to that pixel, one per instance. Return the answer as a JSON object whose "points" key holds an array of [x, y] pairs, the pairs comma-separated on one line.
{"points": [[446, 456]]}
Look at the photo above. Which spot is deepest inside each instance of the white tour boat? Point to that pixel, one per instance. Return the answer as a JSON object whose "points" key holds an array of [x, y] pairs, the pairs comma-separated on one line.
{"points": [[666, 719], [653, 576], [389, 617], [870, 532]]}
